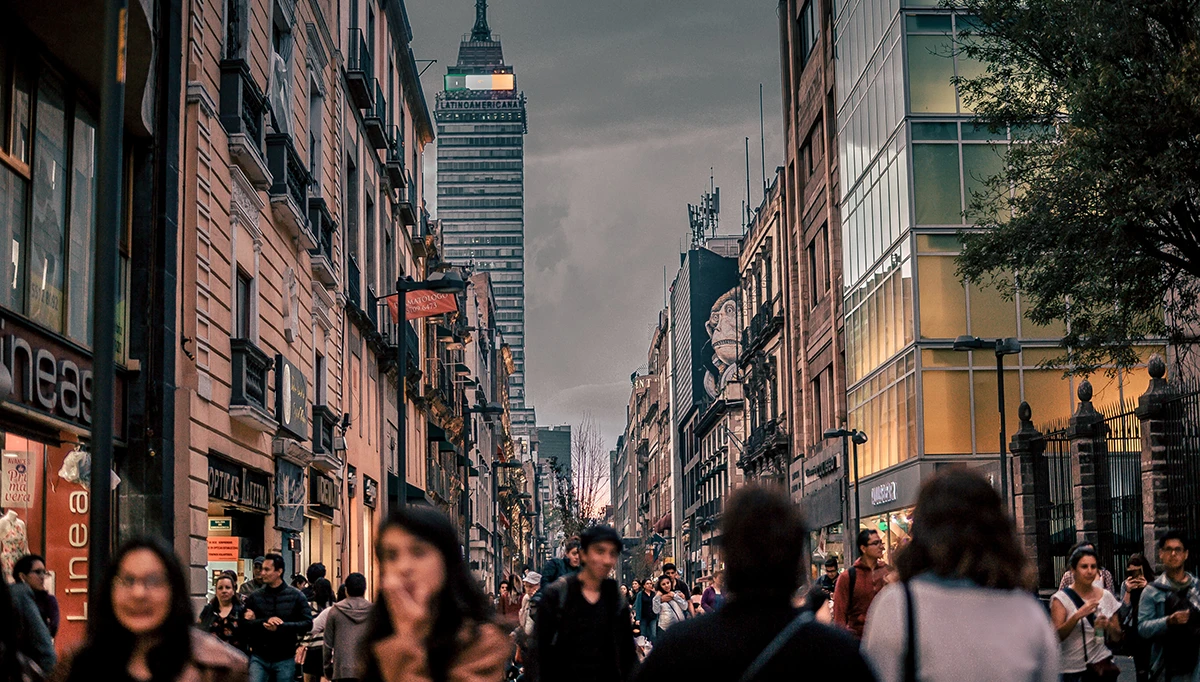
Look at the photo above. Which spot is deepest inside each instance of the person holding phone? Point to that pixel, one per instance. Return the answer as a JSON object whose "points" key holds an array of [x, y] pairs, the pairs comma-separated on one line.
{"points": [[1138, 574]]}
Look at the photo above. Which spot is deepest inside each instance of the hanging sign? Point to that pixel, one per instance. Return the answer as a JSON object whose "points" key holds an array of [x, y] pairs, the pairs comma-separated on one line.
{"points": [[418, 304], [16, 493], [291, 398]]}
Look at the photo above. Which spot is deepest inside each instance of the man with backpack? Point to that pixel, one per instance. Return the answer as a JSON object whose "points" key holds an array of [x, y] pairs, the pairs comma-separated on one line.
{"points": [[1169, 615], [857, 586], [757, 635], [584, 629]]}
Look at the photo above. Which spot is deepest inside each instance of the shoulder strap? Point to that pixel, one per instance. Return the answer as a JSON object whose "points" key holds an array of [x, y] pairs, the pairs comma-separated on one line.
{"points": [[1074, 597], [785, 635], [850, 599], [910, 654]]}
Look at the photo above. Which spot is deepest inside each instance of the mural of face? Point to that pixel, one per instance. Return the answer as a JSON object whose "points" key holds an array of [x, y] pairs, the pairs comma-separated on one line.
{"points": [[722, 329]]}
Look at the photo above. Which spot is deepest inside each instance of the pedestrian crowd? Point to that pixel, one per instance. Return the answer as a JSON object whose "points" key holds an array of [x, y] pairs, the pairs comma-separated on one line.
{"points": [[955, 603]]}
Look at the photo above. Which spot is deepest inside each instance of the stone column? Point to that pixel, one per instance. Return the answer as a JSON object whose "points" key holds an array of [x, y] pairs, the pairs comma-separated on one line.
{"points": [[1031, 485], [1156, 435], [1089, 473]]}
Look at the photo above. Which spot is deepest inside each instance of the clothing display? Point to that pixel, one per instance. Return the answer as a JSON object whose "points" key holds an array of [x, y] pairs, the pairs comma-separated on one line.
{"points": [[14, 543]]}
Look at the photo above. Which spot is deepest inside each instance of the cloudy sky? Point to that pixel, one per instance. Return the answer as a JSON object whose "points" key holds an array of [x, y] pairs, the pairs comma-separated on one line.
{"points": [[630, 104]]}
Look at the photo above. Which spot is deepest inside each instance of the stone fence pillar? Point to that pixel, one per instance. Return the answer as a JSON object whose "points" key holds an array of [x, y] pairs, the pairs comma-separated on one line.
{"points": [[1089, 473], [1156, 435], [1031, 485]]}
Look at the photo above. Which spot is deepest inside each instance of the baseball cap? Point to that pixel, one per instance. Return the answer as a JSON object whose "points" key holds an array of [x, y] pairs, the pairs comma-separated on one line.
{"points": [[599, 534], [258, 561], [533, 578]]}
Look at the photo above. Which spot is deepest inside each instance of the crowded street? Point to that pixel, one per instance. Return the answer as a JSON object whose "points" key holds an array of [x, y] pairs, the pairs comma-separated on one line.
{"points": [[599, 341]]}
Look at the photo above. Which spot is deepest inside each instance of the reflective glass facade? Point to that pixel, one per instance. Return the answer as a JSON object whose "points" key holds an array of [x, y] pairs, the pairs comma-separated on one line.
{"points": [[913, 162]]}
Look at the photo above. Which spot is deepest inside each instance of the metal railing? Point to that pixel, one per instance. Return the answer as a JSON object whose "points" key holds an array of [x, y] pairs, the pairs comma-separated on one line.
{"points": [[1061, 512], [1183, 463], [321, 222], [289, 174], [250, 366], [243, 104], [353, 283], [1120, 496]]}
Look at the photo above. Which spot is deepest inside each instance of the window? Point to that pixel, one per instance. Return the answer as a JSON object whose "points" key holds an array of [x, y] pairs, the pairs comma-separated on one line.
{"points": [[808, 30], [83, 224], [243, 306], [937, 192], [818, 388], [316, 130], [351, 207], [48, 236], [813, 294], [369, 245], [235, 29], [319, 383], [823, 249]]}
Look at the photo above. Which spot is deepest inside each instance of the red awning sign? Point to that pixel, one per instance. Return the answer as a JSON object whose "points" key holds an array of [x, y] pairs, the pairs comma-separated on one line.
{"points": [[420, 304]]}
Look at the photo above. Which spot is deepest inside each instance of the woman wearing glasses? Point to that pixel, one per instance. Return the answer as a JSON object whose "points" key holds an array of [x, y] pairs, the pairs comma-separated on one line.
{"points": [[141, 630], [31, 570]]}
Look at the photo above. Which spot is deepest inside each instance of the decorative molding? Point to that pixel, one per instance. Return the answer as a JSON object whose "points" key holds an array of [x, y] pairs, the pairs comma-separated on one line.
{"points": [[316, 47], [245, 206], [198, 94]]}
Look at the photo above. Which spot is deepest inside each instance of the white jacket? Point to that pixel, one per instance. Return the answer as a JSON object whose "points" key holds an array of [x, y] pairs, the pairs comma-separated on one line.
{"points": [[671, 611]]}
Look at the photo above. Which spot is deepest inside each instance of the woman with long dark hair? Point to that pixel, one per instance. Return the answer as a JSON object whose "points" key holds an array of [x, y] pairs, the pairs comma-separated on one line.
{"points": [[224, 615], [961, 610], [431, 621], [141, 629]]}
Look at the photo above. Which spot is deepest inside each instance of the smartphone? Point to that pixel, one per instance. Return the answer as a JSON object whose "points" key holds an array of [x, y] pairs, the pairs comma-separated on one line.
{"points": [[1133, 573]]}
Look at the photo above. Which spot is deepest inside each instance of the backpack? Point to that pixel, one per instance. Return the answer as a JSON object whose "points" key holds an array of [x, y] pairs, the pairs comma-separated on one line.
{"points": [[852, 575], [1181, 644]]}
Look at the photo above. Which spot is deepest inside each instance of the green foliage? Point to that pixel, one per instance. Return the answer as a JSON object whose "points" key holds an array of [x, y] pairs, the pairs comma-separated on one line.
{"points": [[1100, 200]]}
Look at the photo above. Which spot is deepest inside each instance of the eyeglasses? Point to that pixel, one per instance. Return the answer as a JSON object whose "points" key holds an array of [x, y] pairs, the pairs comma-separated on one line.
{"points": [[38, 571], [875, 543], [151, 583], [1173, 550]]}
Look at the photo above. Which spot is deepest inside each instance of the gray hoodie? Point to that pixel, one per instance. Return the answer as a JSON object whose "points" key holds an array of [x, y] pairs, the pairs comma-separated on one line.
{"points": [[345, 631]]}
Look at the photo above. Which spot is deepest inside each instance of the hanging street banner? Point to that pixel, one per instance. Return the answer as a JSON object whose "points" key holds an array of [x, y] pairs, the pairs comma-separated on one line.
{"points": [[420, 304]]}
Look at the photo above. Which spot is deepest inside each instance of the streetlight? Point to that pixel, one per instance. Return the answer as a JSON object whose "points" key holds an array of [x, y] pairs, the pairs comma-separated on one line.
{"points": [[857, 438], [497, 465], [1002, 347], [440, 282]]}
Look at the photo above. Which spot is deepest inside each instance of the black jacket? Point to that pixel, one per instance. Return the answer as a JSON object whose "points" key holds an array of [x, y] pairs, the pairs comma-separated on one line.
{"points": [[553, 613], [288, 604], [720, 646], [555, 569]]}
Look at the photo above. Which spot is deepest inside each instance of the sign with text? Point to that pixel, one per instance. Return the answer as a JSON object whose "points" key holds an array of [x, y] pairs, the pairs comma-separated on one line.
{"points": [[291, 398], [15, 491], [231, 482], [322, 493], [223, 549], [289, 496], [420, 304]]}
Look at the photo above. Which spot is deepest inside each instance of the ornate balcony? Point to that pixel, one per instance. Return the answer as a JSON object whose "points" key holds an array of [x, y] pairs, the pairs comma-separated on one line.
{"points": [[321, 258], [420, 236], [395, 159], [767, 322], [248, 398], [289, 189], [376, 119], [242, 108], [409, 211], [766, 448], [360, 71], [324, 423]]}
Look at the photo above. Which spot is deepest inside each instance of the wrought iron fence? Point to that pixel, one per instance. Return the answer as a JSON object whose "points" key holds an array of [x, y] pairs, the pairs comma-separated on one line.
{"points": [[1120, 498], [1061, 511], [1183, 463]]}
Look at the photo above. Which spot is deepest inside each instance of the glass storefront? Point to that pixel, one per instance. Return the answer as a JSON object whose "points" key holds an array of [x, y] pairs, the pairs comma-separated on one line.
{"points": [[894, 529], [825, 543], [45, 509]]}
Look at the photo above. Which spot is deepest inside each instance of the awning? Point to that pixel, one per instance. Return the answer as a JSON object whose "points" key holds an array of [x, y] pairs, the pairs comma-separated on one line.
{"points": [[663, 524]]}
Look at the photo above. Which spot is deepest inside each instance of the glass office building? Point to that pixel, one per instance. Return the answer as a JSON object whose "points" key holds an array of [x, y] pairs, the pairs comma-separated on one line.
{"points": [[911, 159], [481, 130]]}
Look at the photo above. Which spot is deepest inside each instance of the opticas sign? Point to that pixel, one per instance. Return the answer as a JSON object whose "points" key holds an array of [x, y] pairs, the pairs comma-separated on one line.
{"points": [[493, 81]]}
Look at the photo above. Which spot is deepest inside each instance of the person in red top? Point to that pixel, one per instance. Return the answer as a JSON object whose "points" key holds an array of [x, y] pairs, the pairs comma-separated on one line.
{"points": [[856, 587]]}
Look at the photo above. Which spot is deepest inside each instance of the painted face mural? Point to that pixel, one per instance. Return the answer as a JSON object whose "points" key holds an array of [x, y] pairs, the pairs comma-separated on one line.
{"points": [[722, 329]]}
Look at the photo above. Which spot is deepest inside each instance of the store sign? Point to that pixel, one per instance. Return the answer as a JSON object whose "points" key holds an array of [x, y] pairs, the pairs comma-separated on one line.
{"points": [[52, 379], [15, 490], [883, 494], [223, 549], [322, 493], [823, 468], [220, 526], [231, 482], [291, 398], [289, 496], [370, 492]]}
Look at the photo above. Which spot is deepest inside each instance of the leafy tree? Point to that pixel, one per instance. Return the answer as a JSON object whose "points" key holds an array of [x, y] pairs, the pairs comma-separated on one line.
{"points": [[1098, 209]]}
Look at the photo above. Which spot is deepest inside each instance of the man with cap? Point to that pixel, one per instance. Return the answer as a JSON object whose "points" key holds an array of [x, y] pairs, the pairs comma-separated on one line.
{"points": [[254, 584], [584, 629]]}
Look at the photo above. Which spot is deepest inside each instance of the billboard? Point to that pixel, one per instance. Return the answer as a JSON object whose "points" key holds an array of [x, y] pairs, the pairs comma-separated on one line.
{"points": [[705, 279]]}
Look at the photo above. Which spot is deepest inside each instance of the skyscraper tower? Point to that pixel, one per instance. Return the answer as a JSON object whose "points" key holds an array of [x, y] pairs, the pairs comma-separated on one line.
{"points": [[481, 180]]}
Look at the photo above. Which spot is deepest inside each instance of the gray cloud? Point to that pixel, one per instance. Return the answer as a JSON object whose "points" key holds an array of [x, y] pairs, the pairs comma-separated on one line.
{"points": [[630, 103]]}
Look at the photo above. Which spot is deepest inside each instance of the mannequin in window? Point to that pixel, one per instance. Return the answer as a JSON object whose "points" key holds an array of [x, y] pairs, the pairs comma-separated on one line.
{"points": [[14, 543]]}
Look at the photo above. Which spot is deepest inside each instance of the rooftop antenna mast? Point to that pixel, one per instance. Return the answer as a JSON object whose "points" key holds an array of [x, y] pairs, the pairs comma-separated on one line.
{"points": [[481, 32], [749, 216], [762, 137], [704, 218]]}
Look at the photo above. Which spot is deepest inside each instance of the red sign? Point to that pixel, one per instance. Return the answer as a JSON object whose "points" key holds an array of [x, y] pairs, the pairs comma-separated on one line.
{"points": [[67, 538], [223, 549], [420, 304]]}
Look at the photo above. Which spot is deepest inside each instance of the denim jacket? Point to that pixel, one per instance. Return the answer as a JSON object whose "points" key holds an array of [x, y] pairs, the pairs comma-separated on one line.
{"points": [[1152, 618]]}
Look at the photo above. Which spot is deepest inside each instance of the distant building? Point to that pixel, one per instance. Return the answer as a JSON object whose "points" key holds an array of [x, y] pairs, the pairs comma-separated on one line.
{"points": [[554, 446]]}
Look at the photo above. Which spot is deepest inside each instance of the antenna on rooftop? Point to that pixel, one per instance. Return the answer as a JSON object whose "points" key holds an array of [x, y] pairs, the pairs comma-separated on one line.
{"points": [[704, 218]]}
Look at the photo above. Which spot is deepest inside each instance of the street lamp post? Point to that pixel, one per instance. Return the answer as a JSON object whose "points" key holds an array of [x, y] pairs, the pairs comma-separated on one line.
{"points": [[487, 411], [857, 438], [1002, 347], [497, 465], [441, 282]]}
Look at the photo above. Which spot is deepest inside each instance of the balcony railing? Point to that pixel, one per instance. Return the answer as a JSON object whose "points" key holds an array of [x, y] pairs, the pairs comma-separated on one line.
{"points": [[250, 367], [242, 108], [420, 234], [289, 175], [372, 309], [376, 119], [320, 220], [765, 323], [353, 283], [395, 158], [360, 71], [408, 202], [324, 422]]}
